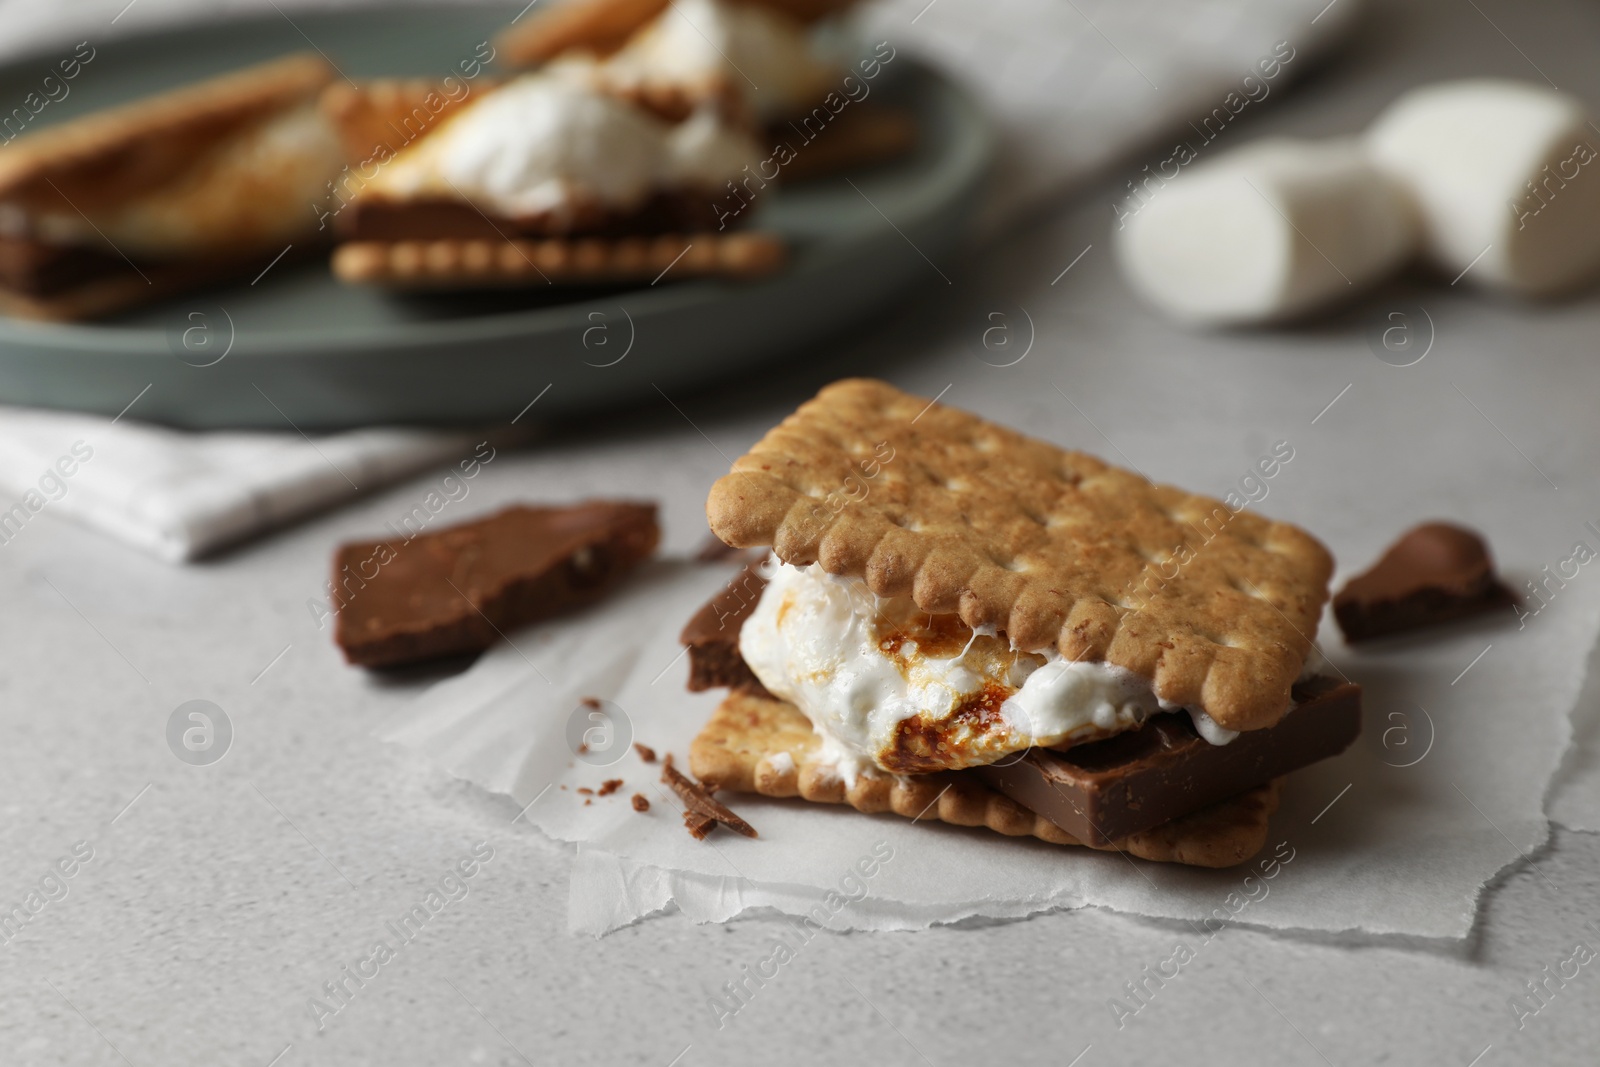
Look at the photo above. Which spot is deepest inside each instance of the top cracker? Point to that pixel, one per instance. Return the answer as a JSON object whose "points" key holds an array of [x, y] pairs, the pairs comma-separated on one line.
{"points": [[1216, 607], [603, 26], [121, 151]]}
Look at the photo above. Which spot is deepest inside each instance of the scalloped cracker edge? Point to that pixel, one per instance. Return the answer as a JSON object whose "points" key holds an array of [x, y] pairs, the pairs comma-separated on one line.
{"points": [[1055, 548], [474, 263], [754, 744]]}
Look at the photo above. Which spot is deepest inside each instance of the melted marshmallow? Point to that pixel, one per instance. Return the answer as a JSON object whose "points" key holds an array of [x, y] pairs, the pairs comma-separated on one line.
{"points": [[888, 686], [547, 142]]}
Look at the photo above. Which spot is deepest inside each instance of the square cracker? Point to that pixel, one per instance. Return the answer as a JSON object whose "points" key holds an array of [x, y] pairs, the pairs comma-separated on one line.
{"points": [[117, 153], [478, 263], [1215, 607], [758, 745]]}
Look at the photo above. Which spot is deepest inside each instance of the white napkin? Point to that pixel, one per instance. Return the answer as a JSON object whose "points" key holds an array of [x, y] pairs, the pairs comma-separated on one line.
{"points": [[1396, 837], [180, 495], [1074, 86]]}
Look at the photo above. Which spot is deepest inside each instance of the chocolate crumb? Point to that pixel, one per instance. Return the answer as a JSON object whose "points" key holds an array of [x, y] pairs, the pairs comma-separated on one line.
{"points": [[640, 803], [586, 803], [586, 791], [590, 702], [701, 809], [646, 753], [609, 786]]}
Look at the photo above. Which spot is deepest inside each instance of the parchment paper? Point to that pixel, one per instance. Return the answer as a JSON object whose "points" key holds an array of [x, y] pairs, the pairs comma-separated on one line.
{"points": [[1395, 837], [1575, 794]]}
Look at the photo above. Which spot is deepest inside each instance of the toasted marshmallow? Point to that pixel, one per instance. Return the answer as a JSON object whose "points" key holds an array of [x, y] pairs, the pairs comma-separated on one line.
{"points": [[545, 142], [889, 686]]}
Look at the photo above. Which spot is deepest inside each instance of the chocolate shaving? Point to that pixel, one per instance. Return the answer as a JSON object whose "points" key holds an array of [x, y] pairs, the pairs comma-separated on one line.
{"points": [[700, 804], [609, 786], [699, 825], [640, 803]]}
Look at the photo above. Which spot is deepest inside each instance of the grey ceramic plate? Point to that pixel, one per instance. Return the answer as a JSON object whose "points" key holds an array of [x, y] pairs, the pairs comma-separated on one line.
{"points": [[301, 347]]}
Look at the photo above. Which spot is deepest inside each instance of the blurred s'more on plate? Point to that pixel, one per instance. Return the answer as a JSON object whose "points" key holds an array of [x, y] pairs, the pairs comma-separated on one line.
{"points": [[136, 202], [797, 71], [544, 179], [961, 623]]}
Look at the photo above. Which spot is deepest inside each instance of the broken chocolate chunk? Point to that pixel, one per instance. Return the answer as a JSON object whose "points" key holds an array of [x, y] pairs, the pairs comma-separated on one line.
{"points": [[459, 589], [640, 803], [1103, 791], [1435, 573], [712, 637]]}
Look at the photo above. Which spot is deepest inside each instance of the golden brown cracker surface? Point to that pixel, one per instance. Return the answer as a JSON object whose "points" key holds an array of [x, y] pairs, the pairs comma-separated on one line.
{"points": [[603, 26], [475, 263], [757, 745], [1052, 547], [598, 26], [376, 119], [120, 152]]}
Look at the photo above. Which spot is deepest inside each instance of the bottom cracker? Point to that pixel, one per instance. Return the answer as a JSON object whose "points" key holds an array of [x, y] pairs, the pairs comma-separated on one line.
{"points": [[135, 287], [754, 744], [475, 263]]}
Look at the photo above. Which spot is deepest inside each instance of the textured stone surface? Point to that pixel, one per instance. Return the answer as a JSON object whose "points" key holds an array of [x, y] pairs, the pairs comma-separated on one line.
{"points": [[215, 905]]}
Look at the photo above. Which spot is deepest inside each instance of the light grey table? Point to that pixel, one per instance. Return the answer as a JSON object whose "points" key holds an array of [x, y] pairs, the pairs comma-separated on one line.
{"points": [[220, 898]]}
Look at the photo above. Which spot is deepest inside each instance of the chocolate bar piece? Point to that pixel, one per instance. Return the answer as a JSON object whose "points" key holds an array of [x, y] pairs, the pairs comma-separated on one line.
{"points": [[59, 283], [378, 219], [712, 637], [459, 589], [1105, 790], [1435, 573]]}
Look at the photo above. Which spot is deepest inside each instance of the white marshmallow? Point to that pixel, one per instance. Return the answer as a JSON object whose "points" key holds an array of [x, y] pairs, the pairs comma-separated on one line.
{"points": [[1274, 229], [1502, 165]]}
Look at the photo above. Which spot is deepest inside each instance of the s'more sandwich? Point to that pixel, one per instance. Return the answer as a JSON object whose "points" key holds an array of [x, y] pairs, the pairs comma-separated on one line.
{"points": [[171, 192], [543, 179], [960, 623], [794, 70]]}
